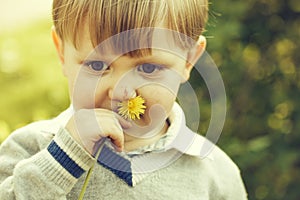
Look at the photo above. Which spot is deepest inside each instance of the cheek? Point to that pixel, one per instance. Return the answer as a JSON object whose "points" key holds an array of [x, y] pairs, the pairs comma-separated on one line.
{"points": [[157, 95], [100, 96], [83, 91]]}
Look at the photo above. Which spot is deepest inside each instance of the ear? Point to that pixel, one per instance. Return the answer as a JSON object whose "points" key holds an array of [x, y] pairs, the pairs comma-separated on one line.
{"points": [[193, 56], [58, 45]]}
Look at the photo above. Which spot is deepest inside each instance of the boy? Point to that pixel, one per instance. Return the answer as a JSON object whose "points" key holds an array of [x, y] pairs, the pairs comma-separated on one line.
{"points": [[124, 61]]}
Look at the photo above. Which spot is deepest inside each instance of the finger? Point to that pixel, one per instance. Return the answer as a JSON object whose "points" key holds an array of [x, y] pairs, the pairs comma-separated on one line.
{"points": [[117, 140], [112, 126], [123, 122], [108, 113]]}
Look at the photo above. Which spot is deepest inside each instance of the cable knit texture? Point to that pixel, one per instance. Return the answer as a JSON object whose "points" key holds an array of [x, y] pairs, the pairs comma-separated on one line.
{"points": [[39, 164]]}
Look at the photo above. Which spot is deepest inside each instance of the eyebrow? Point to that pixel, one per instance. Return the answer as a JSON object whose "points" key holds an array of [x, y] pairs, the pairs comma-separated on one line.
{"points": [[155, 60]]}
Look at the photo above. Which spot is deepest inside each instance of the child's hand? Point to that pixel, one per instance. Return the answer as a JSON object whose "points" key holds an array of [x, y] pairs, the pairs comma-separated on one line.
{"points": [[88, 126]]}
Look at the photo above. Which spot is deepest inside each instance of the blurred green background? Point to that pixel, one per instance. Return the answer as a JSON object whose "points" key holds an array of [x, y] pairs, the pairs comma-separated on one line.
{"points": [[256, 46]]}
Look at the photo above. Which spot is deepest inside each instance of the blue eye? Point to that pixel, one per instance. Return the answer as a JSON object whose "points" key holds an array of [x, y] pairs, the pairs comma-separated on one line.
{"points": [[96, 66], [148, 68]]}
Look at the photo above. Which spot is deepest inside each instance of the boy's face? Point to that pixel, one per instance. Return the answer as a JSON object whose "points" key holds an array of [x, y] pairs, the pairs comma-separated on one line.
{"points": [[102, 80]]}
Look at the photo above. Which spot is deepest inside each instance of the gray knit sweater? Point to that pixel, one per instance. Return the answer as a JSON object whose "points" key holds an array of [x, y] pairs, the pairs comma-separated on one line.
{"points": [[42, 161]]}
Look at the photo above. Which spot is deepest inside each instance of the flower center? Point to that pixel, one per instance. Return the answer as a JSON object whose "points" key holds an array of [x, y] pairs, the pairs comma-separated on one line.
{"points": [[132, 108]]}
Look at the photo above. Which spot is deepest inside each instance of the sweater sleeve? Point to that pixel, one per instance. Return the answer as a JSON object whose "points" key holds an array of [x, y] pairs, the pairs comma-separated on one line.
{"points": [[30, 170], [227, 178]]}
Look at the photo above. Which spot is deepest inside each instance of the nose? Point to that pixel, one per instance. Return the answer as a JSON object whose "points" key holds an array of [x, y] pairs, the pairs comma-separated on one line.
{"points": [[123, 88], [121, 93]]}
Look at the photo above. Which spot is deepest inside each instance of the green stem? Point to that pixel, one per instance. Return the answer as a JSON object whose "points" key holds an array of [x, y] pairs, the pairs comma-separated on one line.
{"points": [[88, 176]]}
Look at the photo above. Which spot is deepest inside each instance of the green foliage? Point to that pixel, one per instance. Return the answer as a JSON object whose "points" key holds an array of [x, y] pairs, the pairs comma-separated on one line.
{"points": [[31, 83], [255, 44]]}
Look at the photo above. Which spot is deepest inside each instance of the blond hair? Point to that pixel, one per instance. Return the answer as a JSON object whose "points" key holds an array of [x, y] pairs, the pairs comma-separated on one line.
{"points": [[106, 18]]}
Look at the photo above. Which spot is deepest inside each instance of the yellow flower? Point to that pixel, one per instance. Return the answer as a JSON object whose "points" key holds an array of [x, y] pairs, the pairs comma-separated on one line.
{"points": [[132, 108]]}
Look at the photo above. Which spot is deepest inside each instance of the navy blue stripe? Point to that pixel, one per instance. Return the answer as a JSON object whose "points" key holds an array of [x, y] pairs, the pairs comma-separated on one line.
{"points": [[118, 165], [60, 156]]}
